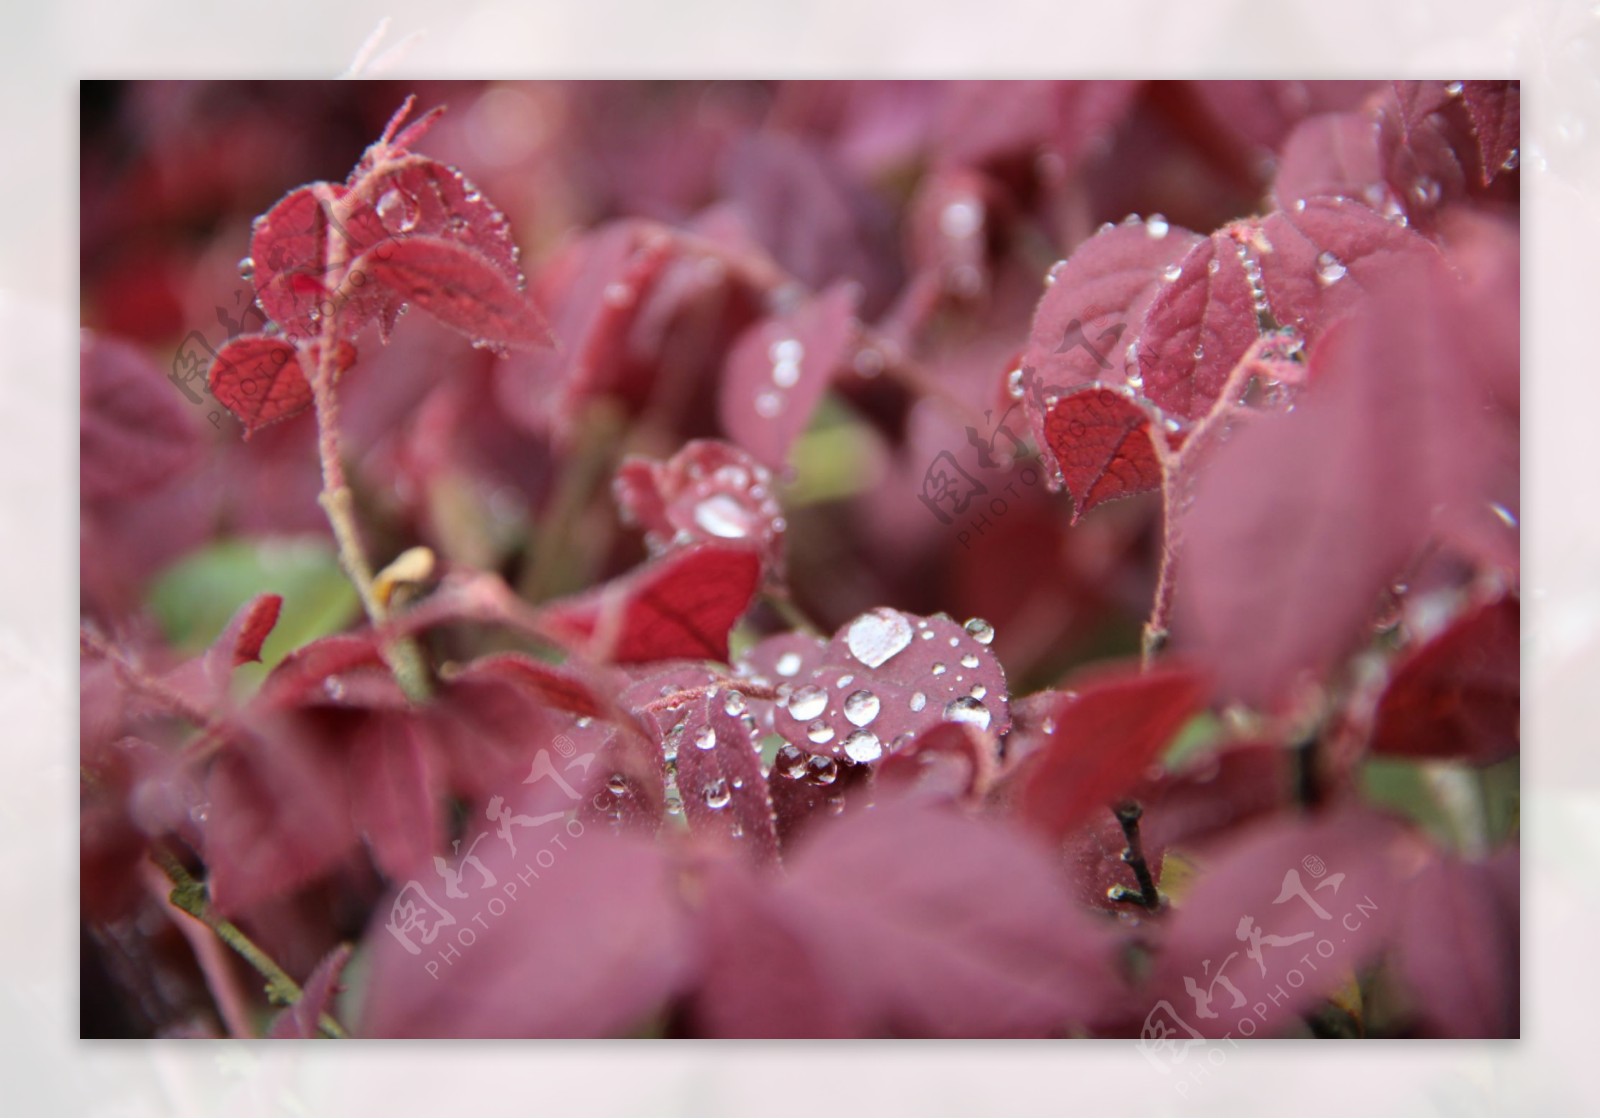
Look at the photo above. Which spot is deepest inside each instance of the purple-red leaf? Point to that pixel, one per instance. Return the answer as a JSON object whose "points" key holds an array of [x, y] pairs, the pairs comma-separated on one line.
{"points": [[1496, 112], [260, 379], [1103, 442], [316, 998], [1105, 736], [778, 370], [1459, 695], [584, 943], [133, 433], [396, 804], [459, 286], [1198, 325], [719, 775], [1329, 156]]}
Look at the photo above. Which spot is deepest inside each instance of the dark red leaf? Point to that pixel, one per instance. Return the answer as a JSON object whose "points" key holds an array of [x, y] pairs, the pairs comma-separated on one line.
{"points": [[459, 286], [949, 761], [1207, 799], [316, 998], [260, 380], [1458, 952], [778, 370], [1459, 695], [133, 433], [288, 258], [205, 679], [585, 943], [1198, 325], [1105, 737], [1422, 141], [1104, 445], [682, 605], [808, 788], [559, 687], [1496, 112]]}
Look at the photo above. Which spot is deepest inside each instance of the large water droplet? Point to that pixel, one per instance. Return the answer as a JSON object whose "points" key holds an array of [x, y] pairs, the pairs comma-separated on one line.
{"points": [[790, 760], [979, 630], [965, 709], [861, 707], [616, 784], [819, 732], [788, 664], [863, 746], [822, 769], [722, 515], [705, 738], [733, 704], [808, 702], [977, 691], [1330, 269], [876, 636], [716, 794]]}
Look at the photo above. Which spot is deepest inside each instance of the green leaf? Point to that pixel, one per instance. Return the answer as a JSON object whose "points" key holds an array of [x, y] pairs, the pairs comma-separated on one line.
{"points": [[194, 598]]}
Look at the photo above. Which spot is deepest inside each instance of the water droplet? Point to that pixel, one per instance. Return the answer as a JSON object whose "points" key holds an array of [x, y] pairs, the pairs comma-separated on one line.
{"points": [[979, 630], [808, 702], [965, 709], [1199, 352], [1507, 517], [819, 732], [823, 769], [790, 760], [1014, 384], [1299, 205], [918, 701], [786, 374], [845, 681], [1453, 88], [1427, 190], [1157, 226], [333, 687], [674, 805], [977, 691], [960, 219], [722, 515], [1213, 266], [733, 704], [705, 738], [876, 636], [247, 267], [926, 635], [970, 660], [1048, 726], [786, 351], [863, 746], [1511, 161], [861, 707], [716, 794], [616, 784], [1330, 269], [1171, 272], [938, 668], [768, 404], [788, 664]]}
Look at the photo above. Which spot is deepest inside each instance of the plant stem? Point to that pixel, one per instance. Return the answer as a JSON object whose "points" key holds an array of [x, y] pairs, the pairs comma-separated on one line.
{"points": [[189, 895], [1128, 814]]}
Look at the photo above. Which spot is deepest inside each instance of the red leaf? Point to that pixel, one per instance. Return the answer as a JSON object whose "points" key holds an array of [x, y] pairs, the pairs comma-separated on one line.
{"points": [[719, 776], [316, 998], [1080, 330], [1105, 737], [205, 679], [1104, 444], [1496, 112], [682, 605], [709, 490], [1212, 796], [949, 761], [1459, 948], [1458, 696], [260, 380], [585, 944], [1301, 520], [1324, 259], [288, 258], [1199, 324], [558, 687], [459, 286], [778, 370], [133, 434]]}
